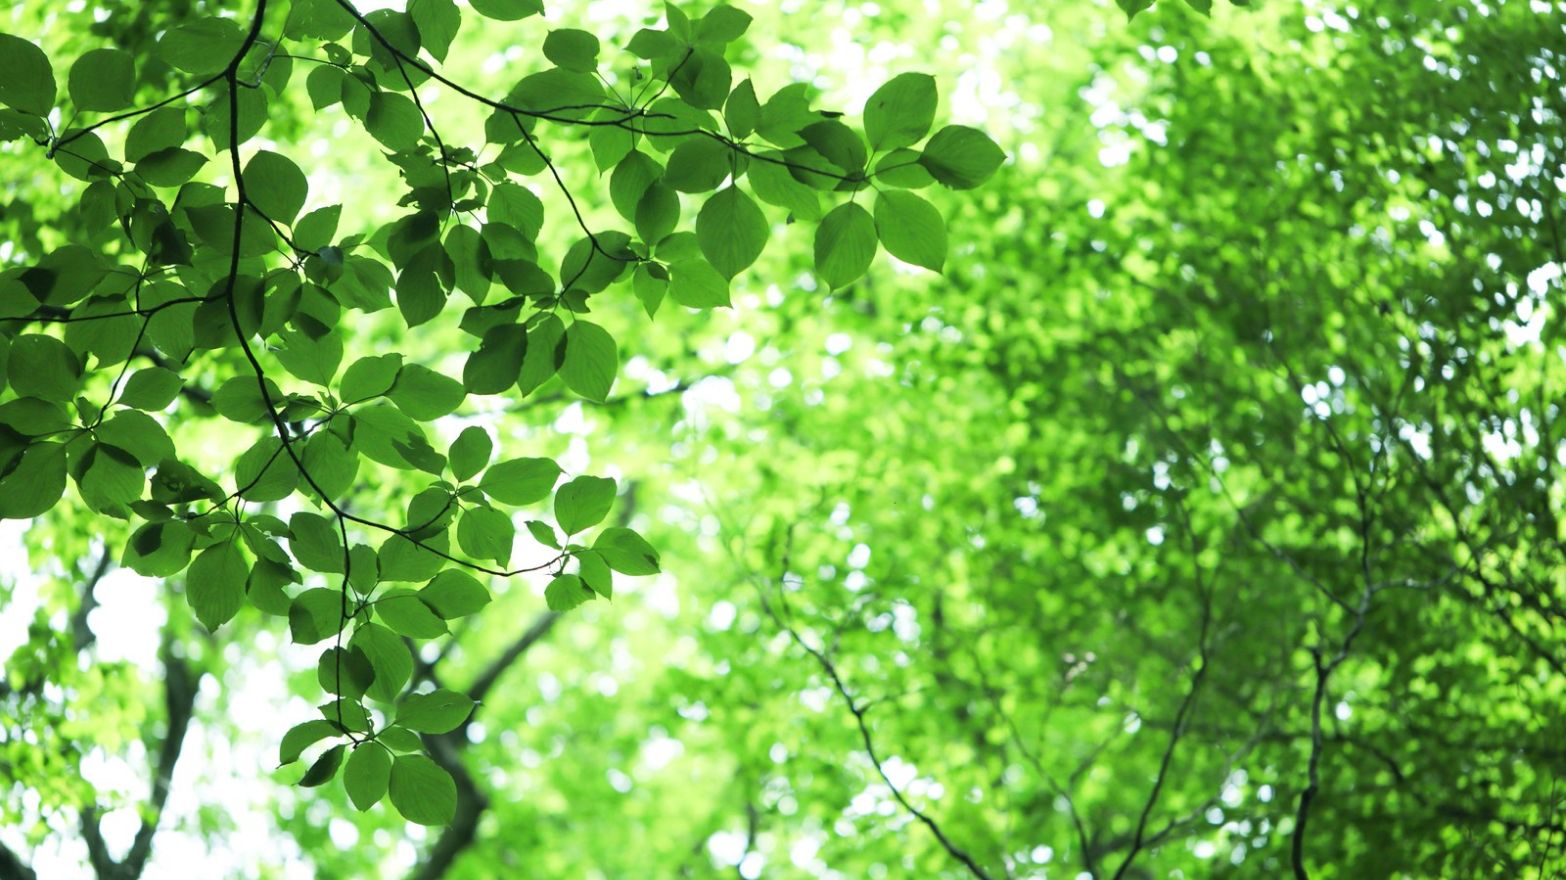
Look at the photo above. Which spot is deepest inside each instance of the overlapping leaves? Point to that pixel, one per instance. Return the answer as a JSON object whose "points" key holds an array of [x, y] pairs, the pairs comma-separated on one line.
{"points": [[251, 270]]}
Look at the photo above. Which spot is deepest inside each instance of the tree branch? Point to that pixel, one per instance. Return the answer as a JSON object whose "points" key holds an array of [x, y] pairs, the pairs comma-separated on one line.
{"points": [[180, 687], [179, 699], [1182, 716], [12, 867], [540, 627], [446, 749], [858, 711]]}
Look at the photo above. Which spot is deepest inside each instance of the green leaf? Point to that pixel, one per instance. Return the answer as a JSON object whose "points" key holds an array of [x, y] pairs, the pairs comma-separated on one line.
{"points": [[465, 246], [266, 586], [253, 114], [313, 360], [325, 86], [703, 79], [591, 360], [649, 44], [543, 533], [565, 592], [732, 231], [162, 129], [773, 184], [330, 463], [364, 569], [171, 167], [215, 583], [101, 80], [590, 267], [1132, 7], [840, 146], [321, 19], [658, 212], [394, 120], [159, 549], [151, 389], [110, 477], [404, 559], [315, 229], [742, 111], [595, 573], [679, 22], [695, 284], [264, 472], [87, 158], [520, 480], [420, 790], [583, 502], [32, 417], [470, 452], [324, 768], [911, 229], [545, 351], [26, 76], [785, 114], [201, 47], [902, 168], [650, 285], [369, 377], [384, 434], [630, 180], [563, 94], [439, 711], [344, 672], [572, 49], [275, 185], [388, 657], [497, 363], [315, 615], [723, 24], [348, 714], [239, 399], [437, 22], [399, 740], [455, 593], [430, 511], [698, 164], [845, 245], [961, 157], [367, 774], [407, 615], [901, 111], [626, 551], [516, 206], [301, 737], [139, 434], [316, 542], [420, 294], [506, 10], [42, 366], [425, 394], [486, 533]]}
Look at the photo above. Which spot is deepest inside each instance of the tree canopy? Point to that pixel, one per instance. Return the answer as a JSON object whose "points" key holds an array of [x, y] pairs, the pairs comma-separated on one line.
{"points": [[811, 440]]}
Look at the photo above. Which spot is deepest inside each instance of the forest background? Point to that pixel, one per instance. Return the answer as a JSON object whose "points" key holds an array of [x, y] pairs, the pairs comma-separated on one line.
{"points": [[1181, 501]]}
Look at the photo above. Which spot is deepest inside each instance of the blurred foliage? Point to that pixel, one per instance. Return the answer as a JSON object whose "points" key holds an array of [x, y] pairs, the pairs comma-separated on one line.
{"points": [[1197, 520]]}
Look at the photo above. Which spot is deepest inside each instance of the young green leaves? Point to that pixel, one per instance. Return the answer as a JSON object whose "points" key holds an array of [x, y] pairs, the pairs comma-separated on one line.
{"points": [[961, 157], [845, 245], [254, 311], [899, 113], [26, 76]]}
